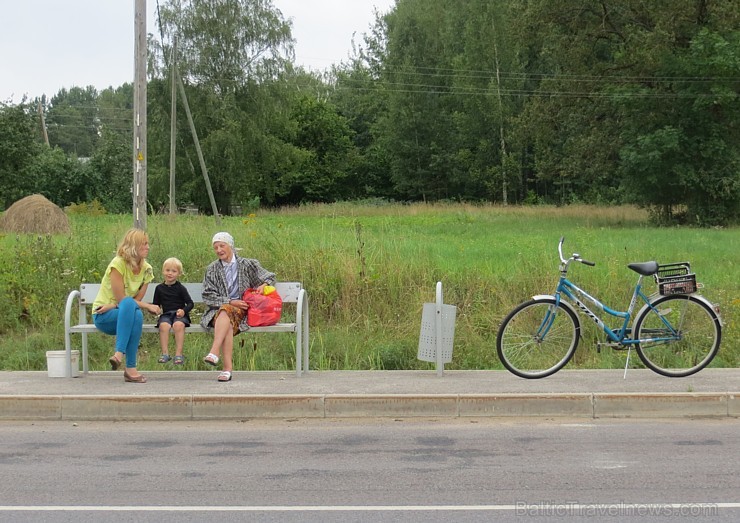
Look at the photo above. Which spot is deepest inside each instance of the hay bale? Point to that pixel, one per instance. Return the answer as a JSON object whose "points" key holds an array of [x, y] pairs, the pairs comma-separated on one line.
{"points": [[34, 214]]}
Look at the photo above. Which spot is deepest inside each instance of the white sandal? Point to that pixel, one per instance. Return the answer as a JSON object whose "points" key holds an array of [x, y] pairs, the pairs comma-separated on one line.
{"points": [[224, 376], [211, 359]]}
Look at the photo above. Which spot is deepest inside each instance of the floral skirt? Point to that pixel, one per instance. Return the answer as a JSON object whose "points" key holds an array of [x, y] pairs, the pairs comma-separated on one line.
{"points": [[235, 314]]}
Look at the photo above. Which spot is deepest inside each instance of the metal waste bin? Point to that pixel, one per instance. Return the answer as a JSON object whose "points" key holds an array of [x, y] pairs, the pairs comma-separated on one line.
{"points": [[437, 335]]}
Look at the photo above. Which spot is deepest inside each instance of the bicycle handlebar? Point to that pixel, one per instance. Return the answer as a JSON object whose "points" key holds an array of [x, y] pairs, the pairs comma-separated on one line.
{"points": [[560, 249], [574, 257]]}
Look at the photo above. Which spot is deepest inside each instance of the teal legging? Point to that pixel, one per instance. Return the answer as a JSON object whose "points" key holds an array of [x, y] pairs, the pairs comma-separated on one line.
{"points": [[125, 323]]}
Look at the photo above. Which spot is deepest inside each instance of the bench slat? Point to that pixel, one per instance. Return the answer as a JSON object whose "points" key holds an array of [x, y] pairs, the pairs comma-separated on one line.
{"points": [[289, 292]]}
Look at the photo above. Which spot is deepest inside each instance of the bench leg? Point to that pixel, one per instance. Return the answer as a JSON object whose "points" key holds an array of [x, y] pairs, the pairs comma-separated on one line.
{"points": [[84, 354], [298, 350], [68, 353], [305, 343]]}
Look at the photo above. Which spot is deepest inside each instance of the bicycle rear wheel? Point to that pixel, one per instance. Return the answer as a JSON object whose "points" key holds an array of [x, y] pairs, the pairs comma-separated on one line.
{"points": [[690, 333], [538, 338]]}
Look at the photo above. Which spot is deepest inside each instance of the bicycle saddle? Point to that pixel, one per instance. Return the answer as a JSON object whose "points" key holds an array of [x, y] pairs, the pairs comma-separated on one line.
{"points": [[645, 268]]}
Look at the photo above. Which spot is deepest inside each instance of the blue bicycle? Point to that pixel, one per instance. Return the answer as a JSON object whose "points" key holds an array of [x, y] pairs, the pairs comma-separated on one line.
{"points": [[676, 333]]}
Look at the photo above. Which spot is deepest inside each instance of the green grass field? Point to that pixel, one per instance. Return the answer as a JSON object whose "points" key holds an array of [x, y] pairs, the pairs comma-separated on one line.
{"points": [[368, 270]]}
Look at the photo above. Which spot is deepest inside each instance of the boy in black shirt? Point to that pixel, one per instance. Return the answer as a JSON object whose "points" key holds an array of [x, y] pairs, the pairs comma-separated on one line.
{"points": [[175, 304]]}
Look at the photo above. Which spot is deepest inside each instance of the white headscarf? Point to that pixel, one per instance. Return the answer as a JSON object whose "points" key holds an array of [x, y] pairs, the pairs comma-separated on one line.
{"points": [[223, 237]]}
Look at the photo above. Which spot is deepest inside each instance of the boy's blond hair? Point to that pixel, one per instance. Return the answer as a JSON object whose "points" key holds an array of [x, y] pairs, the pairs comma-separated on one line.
{"points": [[173, 262]]}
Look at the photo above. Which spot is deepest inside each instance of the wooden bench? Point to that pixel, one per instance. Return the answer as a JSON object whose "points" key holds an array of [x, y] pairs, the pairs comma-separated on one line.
{"points": [[290, 292]]}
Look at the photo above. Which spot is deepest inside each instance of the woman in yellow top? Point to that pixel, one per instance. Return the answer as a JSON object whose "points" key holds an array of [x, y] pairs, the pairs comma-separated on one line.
{"points": [[117, 307]]}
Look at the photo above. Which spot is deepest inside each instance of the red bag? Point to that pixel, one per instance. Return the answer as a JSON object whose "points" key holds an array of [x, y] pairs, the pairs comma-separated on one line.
{"points": [[264, 309]]}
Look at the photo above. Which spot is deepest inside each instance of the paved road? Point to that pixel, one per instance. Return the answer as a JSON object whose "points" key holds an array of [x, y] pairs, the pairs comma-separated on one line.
{"points": [[370, 470]]}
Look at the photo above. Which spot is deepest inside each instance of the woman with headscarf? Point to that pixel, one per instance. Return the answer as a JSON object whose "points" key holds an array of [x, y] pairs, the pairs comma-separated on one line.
{"points": [[224, 283]]}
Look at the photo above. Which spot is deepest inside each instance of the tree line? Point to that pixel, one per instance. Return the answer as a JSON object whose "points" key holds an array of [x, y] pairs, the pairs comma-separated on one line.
{"points": [[511, 102]]}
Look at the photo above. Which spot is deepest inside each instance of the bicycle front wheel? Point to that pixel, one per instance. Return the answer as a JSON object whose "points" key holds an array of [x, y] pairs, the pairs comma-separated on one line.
{"points": [[681, 333], [538, 338]]}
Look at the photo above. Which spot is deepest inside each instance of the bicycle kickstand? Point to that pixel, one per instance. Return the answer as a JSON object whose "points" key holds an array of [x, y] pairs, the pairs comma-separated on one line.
{"points": [[629, 351]]}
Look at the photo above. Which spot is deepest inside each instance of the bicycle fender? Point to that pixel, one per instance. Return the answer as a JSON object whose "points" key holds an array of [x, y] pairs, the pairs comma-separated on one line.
{"points": [[708, 303], [563, 303], [697, 297]]}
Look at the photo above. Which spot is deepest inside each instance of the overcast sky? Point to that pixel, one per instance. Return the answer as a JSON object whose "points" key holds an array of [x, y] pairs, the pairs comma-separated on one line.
{"points": [[50, 44]]}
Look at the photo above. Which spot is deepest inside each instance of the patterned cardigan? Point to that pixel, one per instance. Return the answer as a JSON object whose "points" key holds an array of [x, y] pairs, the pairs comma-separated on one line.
{"points": [[251, 274]]}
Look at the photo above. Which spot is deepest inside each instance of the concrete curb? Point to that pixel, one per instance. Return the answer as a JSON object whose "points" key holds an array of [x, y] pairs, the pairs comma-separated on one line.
{"points": [[211, 407]]}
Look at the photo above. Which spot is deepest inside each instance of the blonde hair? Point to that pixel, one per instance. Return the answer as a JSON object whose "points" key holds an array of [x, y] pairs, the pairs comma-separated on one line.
{"points": [[173, 262], [128, 249]]}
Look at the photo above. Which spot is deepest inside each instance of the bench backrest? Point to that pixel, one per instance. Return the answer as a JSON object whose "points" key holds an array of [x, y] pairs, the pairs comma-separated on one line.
{"points": [[288, 291]]}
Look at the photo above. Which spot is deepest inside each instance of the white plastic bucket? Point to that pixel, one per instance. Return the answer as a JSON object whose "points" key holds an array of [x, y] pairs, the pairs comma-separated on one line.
{"points": [[56, 362]]}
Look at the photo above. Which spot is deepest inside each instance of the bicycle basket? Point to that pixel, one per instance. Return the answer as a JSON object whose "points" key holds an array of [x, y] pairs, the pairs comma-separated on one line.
{"points": [[675, 278]]}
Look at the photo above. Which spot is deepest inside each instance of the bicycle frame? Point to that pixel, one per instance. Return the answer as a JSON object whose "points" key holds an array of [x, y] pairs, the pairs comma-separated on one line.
{"points": [[573, 292]]}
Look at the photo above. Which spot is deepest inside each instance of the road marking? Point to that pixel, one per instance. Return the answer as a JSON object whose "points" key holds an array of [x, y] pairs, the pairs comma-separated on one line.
{"points": [[608, 464], [533, 507]]}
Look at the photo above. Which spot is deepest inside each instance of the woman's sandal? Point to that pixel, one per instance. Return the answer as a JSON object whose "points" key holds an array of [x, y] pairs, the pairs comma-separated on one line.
{"points": [[224, 376], [114, 362], [164, 358], [179, 360], [211, 359], [133, 379]]}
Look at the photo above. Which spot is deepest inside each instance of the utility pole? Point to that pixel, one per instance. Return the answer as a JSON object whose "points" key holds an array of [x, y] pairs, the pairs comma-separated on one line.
{"points": [[173, 126], [140, 122], [43, 125], [504, 181]]}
